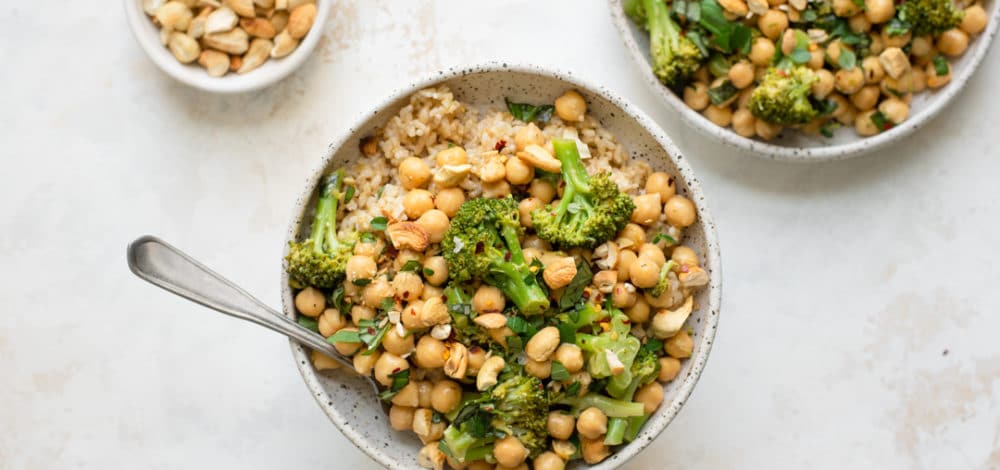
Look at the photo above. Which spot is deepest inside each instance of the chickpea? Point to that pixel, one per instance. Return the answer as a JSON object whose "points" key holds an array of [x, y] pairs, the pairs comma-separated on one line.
{"points": [[919, 79], [445, 396], [435, 270], [623, 295], [895, 109], [409, 395], [634, 234], [430, 352], [879, 11], [662, 183], [743, 122], [310, 302], [330, 322], [684, 256], [650, 395], [492, 171], [889, 40], [366, 248], [396, 344], [401, 418], [765, 130], [361, 312], [974, 21], [823, 85], [496, 190], [845, 8], [377, 290], [542, 344], [388, 364], [431, 291], [531, 254], [424, 389], [549, 461], [647, 208], [416, 202], [542, 370], [933, 79], [773, 23], [872, 69], [407, 285], [762, 52], [509, 452], [876, 44], [741, 74], [479, 465], [652, 252], [859, 23], [528, 135], [571, 107], [435, 223], [953, 42], [638, 313], [864, 125], [680, 345], [866, 98], [488, 299], [592, 423], [816, 59], [344, 348], [363, 363], [849, 81], [532, 241], [560, 425], [720, 116], [680, 211], [844, 112], [518, 171], [626, 258], [645, 273], [476, 359], [360, 267], [696, 96], [525, 207], [833, 50], [449, 200], [542, 190], [669, 368], [788, 40], [571, 357], [413, 173], [922, 47], [594, 450], [454, 155]]}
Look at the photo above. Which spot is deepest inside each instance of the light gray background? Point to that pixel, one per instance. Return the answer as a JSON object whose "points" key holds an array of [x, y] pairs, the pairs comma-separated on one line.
{"points": [[861, 308]]}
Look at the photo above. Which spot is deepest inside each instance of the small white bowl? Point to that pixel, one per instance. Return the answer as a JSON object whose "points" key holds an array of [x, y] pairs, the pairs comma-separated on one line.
{"points": [[348, 400], [798, 146], [148, 36]]}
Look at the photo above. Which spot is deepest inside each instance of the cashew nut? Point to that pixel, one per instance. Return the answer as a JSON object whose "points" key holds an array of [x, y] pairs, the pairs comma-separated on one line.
{"points": [[694, 277], [448, 176], [491, 320], [667, 323], [606, 255], [540, 158], [408, 235], [430, 456], [541, 346], [605, 281], [457, 362], [560, 272], [487, 376]]}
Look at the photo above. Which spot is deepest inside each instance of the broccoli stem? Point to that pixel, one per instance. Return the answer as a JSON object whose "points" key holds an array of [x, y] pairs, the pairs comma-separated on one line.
{"points": [[529, 298], [612, 408], [573, 171], [616, 431], [479, 453], [634, 426], [324, 229]]}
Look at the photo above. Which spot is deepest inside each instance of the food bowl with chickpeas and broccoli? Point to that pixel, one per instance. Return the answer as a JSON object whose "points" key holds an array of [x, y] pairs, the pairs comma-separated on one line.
{"points": [[523, 262], [806, 79]]}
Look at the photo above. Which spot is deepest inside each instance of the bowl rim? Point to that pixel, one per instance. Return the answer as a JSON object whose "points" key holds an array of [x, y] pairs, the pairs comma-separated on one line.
{"points": [[712, 255], [771, 151], [194, 76]]}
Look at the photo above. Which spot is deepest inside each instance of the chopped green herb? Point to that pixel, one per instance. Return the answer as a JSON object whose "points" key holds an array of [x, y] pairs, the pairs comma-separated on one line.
{"points": [[828, 129], [367, 237], [881, 121], [379, 223], [371, 334], [718, 66], [662, 237], [399, 380], [387, 304], [573, 389], [361, 282], [574, 291], [428, 272], [308, 323], [521, 326], [727, 36], [940, 65], [722, 93], [567, 333], [344, 336], [847, 59], [349, 194], [528, 112], [559, 372], [898, 27], [337, 299], [653, 345], [410, 266]]}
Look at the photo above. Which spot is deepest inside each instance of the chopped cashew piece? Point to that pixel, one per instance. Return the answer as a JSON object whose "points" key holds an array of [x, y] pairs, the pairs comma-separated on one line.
{"points": [[694, 277], [449, 176], [487, 376], [408, 235], [667, 323], [491, 320], [894, 61], [540, 158], [614, 362], [457, 362]]}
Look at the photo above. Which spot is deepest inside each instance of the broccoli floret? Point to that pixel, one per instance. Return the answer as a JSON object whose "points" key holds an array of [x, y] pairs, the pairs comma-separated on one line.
{"points": [[645, 368], [482, 243], [518, 407], [320, 261], [592, 209], [675, 56], [637, 11], [782, 97], [929, 16], [586, 316], [606, 350], [663, 284]]}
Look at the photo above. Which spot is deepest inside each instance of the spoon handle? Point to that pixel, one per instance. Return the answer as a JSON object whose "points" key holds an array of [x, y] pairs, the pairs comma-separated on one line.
{"points": [[162, 265]]}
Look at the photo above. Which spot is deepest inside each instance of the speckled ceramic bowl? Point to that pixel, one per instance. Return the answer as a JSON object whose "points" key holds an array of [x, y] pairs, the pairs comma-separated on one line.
{"points": [[797, 146], [349, 402]]}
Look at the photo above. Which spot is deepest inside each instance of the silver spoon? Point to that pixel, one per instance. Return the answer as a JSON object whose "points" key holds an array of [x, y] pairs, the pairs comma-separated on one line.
{"points": [[162, 265]]}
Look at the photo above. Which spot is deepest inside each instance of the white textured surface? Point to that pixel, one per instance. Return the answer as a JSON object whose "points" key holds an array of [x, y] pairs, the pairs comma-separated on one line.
{"points": [[859, 325]]}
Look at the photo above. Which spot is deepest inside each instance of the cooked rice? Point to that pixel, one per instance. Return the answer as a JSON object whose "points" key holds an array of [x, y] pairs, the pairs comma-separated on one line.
{"points": [[433, 120]]}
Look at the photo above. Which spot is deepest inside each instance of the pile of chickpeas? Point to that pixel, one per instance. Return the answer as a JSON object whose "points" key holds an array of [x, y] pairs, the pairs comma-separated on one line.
{"points": [[883, 81], [420, 338]]}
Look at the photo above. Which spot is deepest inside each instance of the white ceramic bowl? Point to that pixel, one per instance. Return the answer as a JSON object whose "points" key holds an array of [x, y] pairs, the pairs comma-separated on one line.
{"points": [[349, 402], [148, 36], [797, 146]]}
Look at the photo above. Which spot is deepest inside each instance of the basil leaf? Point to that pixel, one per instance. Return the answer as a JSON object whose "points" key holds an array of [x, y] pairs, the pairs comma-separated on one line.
{"points": [[308, 323], [664, 237], [410, 266], [800, 56], [567, 333], [940, 65], [371, 334], [847, 59], [528, 112], [574, 291], [521, 326], [349, 194], [379, 223], [361, 282], [722, 93], [428, 272], [399, 380], [344, 336], [559, 372], [573, 389]]}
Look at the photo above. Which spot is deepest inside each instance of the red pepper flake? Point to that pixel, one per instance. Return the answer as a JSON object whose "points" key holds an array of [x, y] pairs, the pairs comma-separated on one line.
{"points": [[585, 294], [500, 145], [506, 256], [684, 268], [396, 370]]}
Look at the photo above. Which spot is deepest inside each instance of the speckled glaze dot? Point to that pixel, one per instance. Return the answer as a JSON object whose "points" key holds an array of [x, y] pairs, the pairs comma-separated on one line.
{"points": [[348, 400], [797, 146]]}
